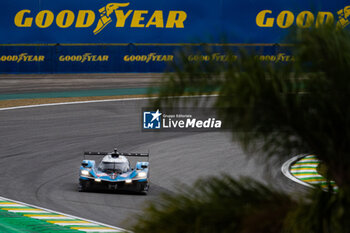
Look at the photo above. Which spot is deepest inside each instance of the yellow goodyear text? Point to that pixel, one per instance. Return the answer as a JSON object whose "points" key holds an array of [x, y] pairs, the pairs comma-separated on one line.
{"points": [[219, 57], [281, 57], [106, 15], [46, 18], [285, 19], [23, 57], [151, 57], [86, 57], [216, 57]]}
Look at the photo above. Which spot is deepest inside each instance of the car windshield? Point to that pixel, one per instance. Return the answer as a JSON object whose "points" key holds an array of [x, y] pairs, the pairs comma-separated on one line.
{"points": [[113, 167]]}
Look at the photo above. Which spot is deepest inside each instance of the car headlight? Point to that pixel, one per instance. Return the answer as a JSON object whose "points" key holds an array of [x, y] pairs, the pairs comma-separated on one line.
{"points": [[128, 181], [85, 172], [142, 175]]}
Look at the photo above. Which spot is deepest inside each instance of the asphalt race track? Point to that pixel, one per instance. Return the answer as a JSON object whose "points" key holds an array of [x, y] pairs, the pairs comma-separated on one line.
{"points": [[41, 151]]}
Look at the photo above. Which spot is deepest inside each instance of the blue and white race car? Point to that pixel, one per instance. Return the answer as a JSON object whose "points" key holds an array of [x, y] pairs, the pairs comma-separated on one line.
{"points": [[114, 172]]}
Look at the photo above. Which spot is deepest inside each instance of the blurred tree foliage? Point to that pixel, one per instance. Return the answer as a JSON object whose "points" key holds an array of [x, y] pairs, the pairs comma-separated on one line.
{"points": [[219, 205], [278, 110]]}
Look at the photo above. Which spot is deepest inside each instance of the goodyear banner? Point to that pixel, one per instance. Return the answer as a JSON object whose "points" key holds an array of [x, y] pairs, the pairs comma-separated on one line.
{"points": [[143, 36]]}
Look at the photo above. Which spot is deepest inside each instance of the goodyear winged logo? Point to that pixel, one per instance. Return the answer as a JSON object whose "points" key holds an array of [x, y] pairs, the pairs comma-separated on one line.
{"points": [[86, 18], [343, 17], [175, 18], [105, 13]]}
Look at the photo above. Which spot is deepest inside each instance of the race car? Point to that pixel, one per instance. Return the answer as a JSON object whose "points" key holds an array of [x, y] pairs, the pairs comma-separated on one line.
{"points": [[114, 172]]}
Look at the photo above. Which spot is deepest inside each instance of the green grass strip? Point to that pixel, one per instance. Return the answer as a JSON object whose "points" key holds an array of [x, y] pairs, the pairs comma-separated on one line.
{"points": [[80, 93]]}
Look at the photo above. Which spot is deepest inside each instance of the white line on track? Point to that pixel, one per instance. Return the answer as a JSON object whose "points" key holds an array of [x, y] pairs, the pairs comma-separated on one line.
{"points": [[50, 218], [97, 101], [11, 205]]}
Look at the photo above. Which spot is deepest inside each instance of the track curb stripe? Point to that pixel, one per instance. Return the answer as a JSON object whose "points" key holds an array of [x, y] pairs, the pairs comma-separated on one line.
{"points": [[66, 221], [303, 170]]}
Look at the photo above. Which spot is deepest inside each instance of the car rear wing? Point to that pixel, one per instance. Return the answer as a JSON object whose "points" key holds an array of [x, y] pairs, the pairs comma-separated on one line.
{"points": [[95, 153], [135, 154], [116, 154]]}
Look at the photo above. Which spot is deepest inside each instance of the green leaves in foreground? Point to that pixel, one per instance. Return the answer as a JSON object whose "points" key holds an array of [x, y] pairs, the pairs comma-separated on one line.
{"points": [[322, 212], [227, 205], [281, 109], [276, 110], [218, 205]]}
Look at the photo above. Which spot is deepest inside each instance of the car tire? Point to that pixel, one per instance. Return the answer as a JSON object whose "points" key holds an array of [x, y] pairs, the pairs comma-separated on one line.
{"points": [[83, 186], [143, 188]]}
